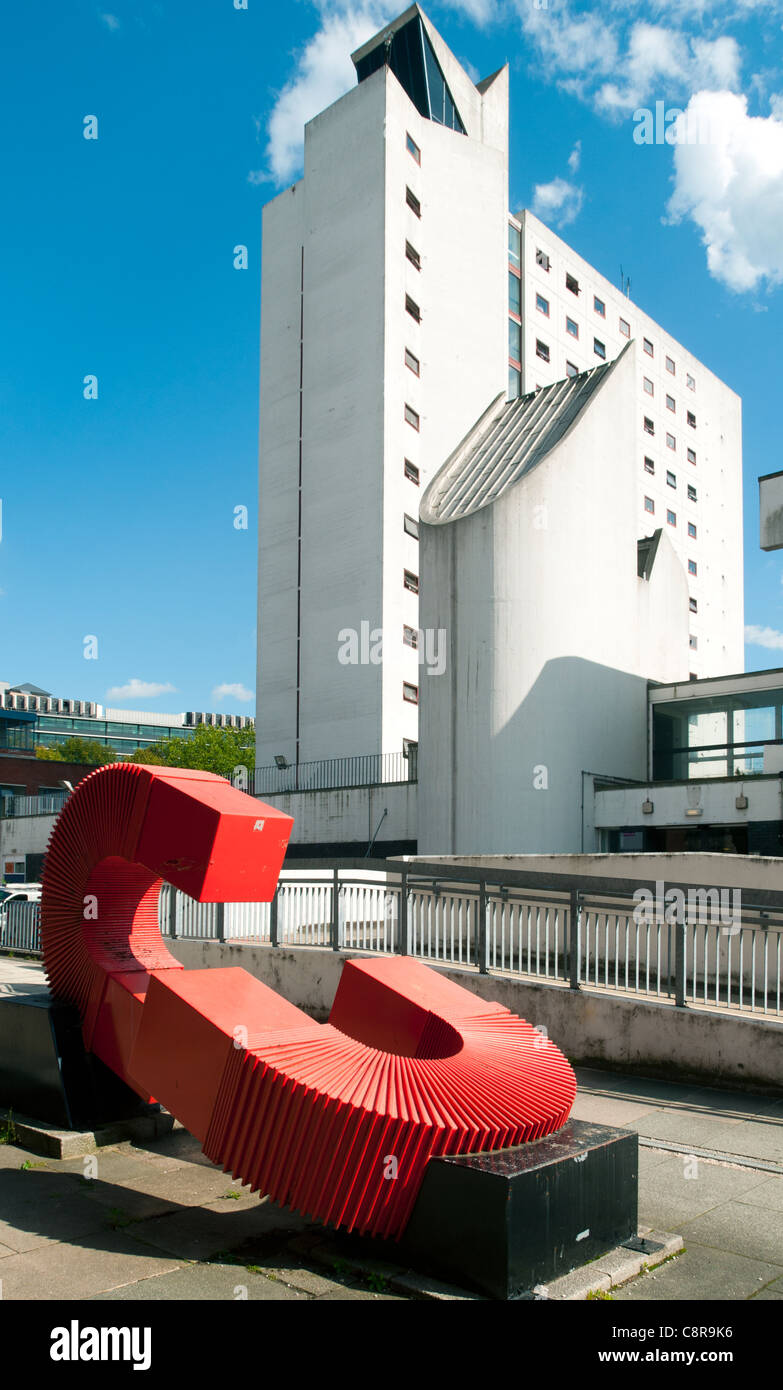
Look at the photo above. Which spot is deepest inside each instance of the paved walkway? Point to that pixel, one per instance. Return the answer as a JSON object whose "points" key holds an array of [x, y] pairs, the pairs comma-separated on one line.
{"points": [[157, 1221]]}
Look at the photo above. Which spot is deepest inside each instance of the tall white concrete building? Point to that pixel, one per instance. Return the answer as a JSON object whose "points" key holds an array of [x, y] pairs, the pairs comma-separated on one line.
{"points": [[384, 294], [399, 299]]}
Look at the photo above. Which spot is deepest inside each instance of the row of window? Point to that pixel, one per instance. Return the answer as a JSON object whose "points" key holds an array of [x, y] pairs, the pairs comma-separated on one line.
{"points": [[671, 404], [599, 306], [671, 440], [542, 351], [671, 479], [671, 517]]}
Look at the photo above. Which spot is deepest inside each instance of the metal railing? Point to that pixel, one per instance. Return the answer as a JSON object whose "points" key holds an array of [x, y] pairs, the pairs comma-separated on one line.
{"points": [[48, 804], [578, 934], [368, 770]]}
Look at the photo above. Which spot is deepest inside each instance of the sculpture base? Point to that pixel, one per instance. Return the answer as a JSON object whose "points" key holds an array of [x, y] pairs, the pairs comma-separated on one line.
{"points": [[502, 1223], [45, 1072]]}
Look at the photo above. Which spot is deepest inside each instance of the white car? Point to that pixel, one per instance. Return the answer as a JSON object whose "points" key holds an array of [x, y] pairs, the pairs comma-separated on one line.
{"points": [[16, 893]]}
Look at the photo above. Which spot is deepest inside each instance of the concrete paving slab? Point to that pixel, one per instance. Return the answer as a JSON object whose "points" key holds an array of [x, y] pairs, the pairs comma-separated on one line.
{"points": [[199, 1232], [81, 1268], [606, 1111], [668, 1197], [755, 1232], [745, 1138], [206, 1283], [768, 1194], [699, 1274]]}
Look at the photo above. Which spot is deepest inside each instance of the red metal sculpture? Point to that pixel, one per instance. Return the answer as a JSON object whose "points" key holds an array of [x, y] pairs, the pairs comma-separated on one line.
{"points": [[335, 1120]]}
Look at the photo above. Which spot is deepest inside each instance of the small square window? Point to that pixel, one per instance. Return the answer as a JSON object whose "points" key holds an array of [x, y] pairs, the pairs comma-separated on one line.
{"points": [[670, 367], [691, 455], [413, 255], [542, 350], [625, 328], [410, 581], [412, 148], [648, 386], [671, 517], [671, 442], [649, 427], [413, 308], [542, 305], [542, 258], [671, 479], [514, 383], [572, 284], [411, 472], [691, 493], [691, 419], [690, 381], [410, 636], [412, 362], [692, 567], [671, 403], [693, 605], [693, 642], [413, 202], [571, 370], [649, 505], [599, 306], [572, 328], [648, 347], [412, 417], [691, 530], [410, 693], [599, 348], [649, 466], [411, 526]]}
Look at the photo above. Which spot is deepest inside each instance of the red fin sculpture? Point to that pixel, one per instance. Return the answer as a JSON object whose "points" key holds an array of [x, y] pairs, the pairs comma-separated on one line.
{"points": [[335, 1120]]}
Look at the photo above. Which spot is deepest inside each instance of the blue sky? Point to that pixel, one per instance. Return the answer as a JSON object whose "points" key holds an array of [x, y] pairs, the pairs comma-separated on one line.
{"points": [[118, 513]]}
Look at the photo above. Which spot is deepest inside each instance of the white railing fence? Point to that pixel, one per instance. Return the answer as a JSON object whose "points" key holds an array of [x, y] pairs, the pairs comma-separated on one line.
{"points": [[570, 937]]}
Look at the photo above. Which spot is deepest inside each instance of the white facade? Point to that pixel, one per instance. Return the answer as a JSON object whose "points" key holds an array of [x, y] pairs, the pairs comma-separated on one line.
{"points": [[552, 639], [334, 494], [698, 481]]}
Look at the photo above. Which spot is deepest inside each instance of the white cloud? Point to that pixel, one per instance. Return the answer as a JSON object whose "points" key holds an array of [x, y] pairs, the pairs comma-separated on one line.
{"points": [[139, 690], [235, 692], [324, 72], [111, 21], [558, 202], [575, 157], [731, 185], [764, 637], [480, 11]]}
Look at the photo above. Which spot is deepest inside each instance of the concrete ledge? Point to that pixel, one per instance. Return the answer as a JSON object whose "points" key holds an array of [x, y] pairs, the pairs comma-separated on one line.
{"points": [[44, 1139], [593, 1028]]}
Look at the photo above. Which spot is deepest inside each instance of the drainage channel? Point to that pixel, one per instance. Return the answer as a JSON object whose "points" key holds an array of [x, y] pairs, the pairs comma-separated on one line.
{"points": [[712, 1155]]}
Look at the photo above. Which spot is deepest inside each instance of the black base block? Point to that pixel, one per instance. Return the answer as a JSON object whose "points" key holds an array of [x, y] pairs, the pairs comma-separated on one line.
{"points": [[502, 1223], [46, 1074]]}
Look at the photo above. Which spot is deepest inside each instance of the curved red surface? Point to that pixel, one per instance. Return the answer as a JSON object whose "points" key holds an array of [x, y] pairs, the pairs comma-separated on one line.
{"points": [[335, 1120]]}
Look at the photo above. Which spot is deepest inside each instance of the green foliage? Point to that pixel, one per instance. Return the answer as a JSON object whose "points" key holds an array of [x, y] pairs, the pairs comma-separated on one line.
{"points": [[8, 1133], [78, 750], [600, 1294], [211, 750]]}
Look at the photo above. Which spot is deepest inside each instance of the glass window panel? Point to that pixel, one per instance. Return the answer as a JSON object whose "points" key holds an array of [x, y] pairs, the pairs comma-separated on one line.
{"points": [[514, 293], [514, 244], [514, 341]]}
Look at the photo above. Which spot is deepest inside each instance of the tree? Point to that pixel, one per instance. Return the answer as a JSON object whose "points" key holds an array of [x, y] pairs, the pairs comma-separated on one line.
{"points": [[77, 750], [213, 750]]}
